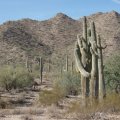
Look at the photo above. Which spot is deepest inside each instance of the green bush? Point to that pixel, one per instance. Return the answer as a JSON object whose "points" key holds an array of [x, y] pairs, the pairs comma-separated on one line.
{"points": [[23, 78], [68, 84], [11, 77], [36, 71], [112, 72], [6, 77]]}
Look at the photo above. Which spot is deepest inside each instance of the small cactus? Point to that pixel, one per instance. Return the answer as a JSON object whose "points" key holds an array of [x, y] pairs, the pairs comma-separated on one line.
{"points": [[41, 69], [27, 63], [67, 63], [49, 67]]}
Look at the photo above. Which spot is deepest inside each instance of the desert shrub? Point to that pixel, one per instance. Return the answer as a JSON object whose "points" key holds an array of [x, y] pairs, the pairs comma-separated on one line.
{"points": [[36, 71], [23, 78], [112, 73], [6, 77], [68, 84], [11, 77]]}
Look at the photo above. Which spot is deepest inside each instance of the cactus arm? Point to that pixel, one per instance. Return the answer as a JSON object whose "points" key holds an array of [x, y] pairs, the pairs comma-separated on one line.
{"points": [[79, 40], [79, 63], [85, 28]]}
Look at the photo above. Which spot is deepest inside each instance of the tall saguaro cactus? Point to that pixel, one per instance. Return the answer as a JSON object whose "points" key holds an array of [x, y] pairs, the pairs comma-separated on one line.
{"points": [[93, 50], [89, 62], [81, 57], [102, 91]]}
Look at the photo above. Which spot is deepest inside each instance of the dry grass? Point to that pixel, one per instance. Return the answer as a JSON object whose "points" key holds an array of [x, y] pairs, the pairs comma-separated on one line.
{"points": [[110, 104], [49, 97]]}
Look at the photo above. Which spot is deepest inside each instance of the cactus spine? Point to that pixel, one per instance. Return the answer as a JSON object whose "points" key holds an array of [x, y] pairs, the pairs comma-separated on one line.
{"points": [[89, 62]]}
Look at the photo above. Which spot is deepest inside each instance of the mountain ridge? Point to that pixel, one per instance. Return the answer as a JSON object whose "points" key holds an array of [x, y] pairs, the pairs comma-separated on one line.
{"points": [[55, 36]]}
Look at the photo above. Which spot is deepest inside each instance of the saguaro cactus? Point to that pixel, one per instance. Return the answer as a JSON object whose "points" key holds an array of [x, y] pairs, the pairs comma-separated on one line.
{"points": [[30, 68], [66, 63], [89, 62], [41, 69], [61, 67], [27, 63], [102, 91], [49, 67], [72, 67], [81, 57], [93, 50]]}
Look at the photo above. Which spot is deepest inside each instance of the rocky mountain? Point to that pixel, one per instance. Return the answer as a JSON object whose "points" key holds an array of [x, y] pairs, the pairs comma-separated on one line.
{"points": [[54, 37]]}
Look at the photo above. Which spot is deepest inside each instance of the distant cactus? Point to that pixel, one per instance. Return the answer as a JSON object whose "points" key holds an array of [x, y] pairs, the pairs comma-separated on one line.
{"points": [[61, 67], [72, 67], [30, 68], [41, 69], [89, 62], [66, 62], [49, 67], [27, 64]]}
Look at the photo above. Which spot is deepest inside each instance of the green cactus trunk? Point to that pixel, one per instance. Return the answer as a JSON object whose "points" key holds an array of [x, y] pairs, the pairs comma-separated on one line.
{"points": [[94, 72], [27, 64], [41, 69], [49, 65], [102, 91], [30, 68], [61, 68], [66, 63], [82, 61], [72, 67], [89, 62]]}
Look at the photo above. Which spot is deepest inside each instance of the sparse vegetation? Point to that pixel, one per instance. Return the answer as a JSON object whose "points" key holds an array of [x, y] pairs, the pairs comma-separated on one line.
{"points": [[49, 97], [48, 80], [68, 84], [109, 104], [112, 73], [12, 78]]}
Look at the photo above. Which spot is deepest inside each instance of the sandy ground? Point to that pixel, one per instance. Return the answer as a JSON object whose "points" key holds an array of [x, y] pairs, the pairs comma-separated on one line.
{"points": [[29, 109]]}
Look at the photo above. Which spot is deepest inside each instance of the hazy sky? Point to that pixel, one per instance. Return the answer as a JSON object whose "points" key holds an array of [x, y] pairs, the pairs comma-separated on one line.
{"points": [[44, 9]]}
